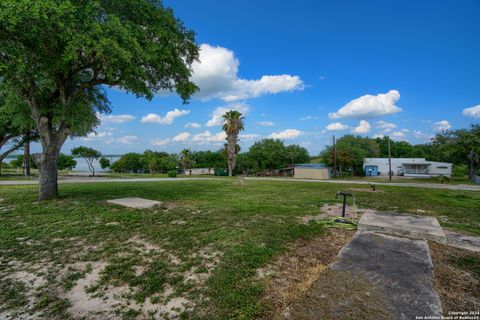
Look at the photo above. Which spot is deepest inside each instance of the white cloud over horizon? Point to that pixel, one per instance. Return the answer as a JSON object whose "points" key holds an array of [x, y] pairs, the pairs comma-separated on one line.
{"points": [[249, 136], [473, 112], [181, 137], [129, 139], [337, 126], [369, 106], [160, 142], [441, 126], [286, 134], [398, 136], [216, 74], [362, 128], [193, 125], [169, 117], [385, 126], [116, 118], [217, 114], [96, 135], [206, 137]]}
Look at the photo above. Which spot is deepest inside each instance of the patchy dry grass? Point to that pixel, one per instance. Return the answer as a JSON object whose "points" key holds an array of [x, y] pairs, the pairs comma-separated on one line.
{"points": [[293, 273], [197, 256], [457, 277]]}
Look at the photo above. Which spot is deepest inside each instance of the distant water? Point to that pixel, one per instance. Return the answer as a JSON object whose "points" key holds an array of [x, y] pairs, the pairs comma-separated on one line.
{"points": [[83, 167]]}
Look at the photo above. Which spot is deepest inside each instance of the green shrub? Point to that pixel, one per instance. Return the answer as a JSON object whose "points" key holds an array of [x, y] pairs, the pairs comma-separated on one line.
{"points": [[459, 170], [172, 173], [444, 179]]}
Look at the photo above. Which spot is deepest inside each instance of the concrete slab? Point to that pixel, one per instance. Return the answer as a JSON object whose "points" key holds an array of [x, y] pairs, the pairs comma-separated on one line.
{"points": [[411, 226], [137, 203], [401, 268], [462, 241]]}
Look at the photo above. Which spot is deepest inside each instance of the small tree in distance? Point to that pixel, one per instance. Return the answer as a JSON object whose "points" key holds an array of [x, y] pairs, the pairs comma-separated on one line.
{"points": [[104, 163], [89, 154]]}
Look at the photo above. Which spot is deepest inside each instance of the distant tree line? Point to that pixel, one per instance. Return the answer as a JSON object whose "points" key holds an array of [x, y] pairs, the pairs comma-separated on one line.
{"points": [[460, 147], [263, 155]]}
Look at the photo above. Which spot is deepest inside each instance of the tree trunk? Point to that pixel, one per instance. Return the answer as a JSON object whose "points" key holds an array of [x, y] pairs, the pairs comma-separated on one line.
{"points": [[47, 168], [232, 141], [26, 155]]}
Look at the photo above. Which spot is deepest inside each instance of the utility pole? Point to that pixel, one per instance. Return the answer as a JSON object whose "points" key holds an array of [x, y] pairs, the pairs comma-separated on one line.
{"points": [[389, 161], [334, 157]]}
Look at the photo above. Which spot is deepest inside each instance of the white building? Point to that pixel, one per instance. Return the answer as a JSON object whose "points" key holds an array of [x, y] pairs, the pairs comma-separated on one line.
{"points": [[408, 167], [198, 171]]}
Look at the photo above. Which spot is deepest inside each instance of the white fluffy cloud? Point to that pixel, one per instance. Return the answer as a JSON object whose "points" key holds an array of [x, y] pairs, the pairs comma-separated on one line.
{"points": [[398, 135], [369, 106], [265, 123], [160, 142], [417, 134], [337, 126], [286, 134], [249, 136], [473, 112], [206, 137], [108, 132], [127, 139], [362, 128], [216, 74], [441, 125], [167, 119], [386, 126], [181, 137], [116, 118], [193, 125], [218, 113]]}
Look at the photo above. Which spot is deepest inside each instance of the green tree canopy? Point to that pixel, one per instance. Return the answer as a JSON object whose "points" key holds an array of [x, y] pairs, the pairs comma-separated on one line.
{"points": [[89, 154], [129, 162], [268, 154], [57, 54], [297, 154], [104, 163]]}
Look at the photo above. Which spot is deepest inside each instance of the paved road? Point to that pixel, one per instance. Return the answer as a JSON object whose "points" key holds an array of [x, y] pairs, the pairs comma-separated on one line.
{"points": [[396, 184], [98, 180]]}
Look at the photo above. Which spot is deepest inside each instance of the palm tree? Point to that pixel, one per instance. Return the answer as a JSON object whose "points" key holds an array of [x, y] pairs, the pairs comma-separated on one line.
{"points": [[186, 161], [233, 124]]}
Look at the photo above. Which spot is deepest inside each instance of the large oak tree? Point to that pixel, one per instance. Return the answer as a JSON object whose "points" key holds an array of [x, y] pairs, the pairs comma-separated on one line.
{"points": [[57, 56]]}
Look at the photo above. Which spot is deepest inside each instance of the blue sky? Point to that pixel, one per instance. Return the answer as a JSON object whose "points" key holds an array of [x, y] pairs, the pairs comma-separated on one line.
{"points": [[305, 70]]}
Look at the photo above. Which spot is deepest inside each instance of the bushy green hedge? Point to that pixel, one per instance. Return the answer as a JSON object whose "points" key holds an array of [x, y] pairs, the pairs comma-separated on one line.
{"points": [[172, 173]]}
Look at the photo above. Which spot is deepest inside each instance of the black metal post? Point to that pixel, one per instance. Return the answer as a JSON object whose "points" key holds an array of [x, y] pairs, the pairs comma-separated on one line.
{"points": [[344, 205]]}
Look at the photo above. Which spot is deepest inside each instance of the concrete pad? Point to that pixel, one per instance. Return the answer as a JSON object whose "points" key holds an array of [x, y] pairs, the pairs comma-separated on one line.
{"points": [[462, 241], [137, 203], [411, 226], [401, 268]]}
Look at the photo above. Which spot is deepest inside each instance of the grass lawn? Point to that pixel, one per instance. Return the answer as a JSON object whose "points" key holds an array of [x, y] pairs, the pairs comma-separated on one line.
{"points": [[196, 256], [401, 179]]}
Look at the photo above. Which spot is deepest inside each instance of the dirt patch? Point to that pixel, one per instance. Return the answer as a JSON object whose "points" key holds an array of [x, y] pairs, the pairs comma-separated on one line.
{"points": [[292, 274], [457, 277], [366, 190], [167, 205], [329, 211]]}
